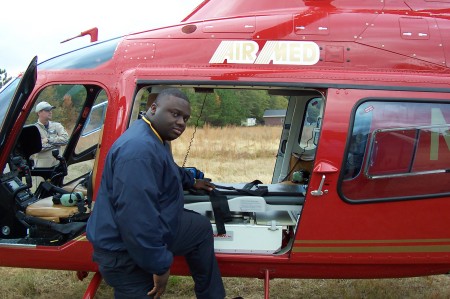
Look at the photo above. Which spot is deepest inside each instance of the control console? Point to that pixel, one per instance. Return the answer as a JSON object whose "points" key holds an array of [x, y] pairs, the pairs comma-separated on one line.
{"points": [[14, 196], [15, 189]]}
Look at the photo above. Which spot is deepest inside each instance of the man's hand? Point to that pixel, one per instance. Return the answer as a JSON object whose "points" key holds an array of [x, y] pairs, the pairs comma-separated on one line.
{"points": [[44, 140], [203, 185], [160, 282]]}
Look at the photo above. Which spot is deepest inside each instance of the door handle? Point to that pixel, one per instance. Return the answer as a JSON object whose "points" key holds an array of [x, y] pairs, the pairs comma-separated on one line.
{"points": [[323, 168], [319, 191]]}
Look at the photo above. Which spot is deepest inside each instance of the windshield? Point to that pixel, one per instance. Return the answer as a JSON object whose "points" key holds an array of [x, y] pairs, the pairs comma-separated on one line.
{"points": [[6, 95], [85, 58]]}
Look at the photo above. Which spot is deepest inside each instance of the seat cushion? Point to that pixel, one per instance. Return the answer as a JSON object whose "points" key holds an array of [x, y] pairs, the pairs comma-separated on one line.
{"points": [[45, 209]]}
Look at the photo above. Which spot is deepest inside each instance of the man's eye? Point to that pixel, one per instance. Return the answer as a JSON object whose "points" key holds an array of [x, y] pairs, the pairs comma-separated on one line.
{"points": [[175, 114]]}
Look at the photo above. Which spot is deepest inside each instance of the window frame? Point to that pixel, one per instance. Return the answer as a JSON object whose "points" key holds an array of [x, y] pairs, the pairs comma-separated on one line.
{"points": [[343, 193], [370, 153]]}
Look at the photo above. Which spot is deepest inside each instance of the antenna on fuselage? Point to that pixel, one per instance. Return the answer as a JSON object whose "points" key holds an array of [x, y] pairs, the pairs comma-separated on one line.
{"points": [[93, 33]]}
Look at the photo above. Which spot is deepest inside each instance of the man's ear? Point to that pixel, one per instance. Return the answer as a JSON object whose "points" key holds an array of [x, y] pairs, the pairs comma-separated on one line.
{"points": [[152, 108]]}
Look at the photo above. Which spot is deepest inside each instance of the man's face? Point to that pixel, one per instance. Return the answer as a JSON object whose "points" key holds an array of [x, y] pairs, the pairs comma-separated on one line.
{"points": [[45, 115], [169, 116]]}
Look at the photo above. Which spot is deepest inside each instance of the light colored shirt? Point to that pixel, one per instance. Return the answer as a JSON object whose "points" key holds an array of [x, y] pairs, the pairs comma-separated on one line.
{"points": [[56, 137]]}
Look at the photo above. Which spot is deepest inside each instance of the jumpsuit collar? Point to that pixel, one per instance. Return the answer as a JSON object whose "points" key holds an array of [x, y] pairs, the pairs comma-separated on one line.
{"points": [[153, 129]]}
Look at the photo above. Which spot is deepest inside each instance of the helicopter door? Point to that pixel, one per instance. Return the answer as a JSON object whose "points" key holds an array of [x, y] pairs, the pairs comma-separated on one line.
{"points": [[380, 177], [13, 104]]}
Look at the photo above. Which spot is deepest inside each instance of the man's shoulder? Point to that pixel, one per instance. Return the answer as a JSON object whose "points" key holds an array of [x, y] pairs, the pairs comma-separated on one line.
{"points": [[136, 141], [140, 133]]}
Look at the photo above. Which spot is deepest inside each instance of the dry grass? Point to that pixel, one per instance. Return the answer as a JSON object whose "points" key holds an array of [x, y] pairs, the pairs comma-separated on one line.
{"points": [[40, 284], [231, 155]]}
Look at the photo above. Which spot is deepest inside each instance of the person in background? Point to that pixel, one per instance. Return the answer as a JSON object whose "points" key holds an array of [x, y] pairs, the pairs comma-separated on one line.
{"points": [[139, 223], [53, 135]]}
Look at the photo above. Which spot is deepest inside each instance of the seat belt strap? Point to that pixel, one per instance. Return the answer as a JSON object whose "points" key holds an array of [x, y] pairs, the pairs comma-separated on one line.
{"points": [[248, 188], [221, 210], [260, 190]]}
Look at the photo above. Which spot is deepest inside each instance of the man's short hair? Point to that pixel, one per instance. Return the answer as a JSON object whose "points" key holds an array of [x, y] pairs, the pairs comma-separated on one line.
{"points": [[172, 92]]}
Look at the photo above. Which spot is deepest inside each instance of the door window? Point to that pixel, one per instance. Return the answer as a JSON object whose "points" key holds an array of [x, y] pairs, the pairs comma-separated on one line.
{"points": [[398, 150], [311, 129]]}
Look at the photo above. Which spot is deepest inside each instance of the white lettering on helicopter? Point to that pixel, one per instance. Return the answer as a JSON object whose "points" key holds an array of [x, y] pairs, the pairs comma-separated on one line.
{"points": [[277, 52]]}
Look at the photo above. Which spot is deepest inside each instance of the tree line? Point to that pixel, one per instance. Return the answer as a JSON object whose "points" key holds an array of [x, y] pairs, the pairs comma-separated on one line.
{"points": [[4, 78], [226, 107]]}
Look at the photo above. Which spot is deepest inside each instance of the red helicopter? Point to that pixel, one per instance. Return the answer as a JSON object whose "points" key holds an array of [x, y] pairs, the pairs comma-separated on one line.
{"points": [[361, 183]]}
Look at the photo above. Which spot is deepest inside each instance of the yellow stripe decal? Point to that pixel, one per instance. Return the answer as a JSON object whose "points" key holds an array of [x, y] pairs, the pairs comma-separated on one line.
{"points": [[301, 242], [81, 238], [367, 249], [372, 246]]}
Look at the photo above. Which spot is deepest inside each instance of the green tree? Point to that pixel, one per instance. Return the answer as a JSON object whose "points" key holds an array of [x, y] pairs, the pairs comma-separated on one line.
{"points": [[223, 107], [4, 79], [204, 107], [230, 113]]}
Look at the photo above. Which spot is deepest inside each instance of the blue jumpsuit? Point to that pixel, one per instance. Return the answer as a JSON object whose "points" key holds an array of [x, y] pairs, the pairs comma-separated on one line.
{"points": [[138, 222]]}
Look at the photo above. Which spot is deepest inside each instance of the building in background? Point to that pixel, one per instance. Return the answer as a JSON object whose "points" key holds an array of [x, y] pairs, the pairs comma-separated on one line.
{"points": [[274, 117]]}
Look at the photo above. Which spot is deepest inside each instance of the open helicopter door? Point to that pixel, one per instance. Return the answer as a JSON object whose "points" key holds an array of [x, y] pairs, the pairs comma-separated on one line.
{"points": [[12, 99]]}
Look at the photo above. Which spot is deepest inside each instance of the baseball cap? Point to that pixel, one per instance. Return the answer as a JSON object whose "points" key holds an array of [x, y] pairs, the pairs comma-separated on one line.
{"points": [[44, 106]]}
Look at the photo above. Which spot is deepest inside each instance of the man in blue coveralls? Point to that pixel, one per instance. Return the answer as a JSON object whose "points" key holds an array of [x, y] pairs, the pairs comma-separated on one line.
{"points": [[138, 223]]}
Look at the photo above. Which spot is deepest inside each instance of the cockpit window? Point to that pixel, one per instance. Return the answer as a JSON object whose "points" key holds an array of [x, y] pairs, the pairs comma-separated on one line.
{"points": [[6, 95], [85, 58]]}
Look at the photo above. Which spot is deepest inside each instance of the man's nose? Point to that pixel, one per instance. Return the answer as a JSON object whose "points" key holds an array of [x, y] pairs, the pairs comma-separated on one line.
{"points": [[181, 121]]}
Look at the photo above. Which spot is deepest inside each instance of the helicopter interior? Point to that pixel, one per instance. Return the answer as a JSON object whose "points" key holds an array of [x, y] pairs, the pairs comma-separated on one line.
{"points": [[37, 216]]}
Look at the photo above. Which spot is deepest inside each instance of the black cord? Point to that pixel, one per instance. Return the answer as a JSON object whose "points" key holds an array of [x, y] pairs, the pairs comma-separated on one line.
{"points": [[195, 130], [73, 189]]}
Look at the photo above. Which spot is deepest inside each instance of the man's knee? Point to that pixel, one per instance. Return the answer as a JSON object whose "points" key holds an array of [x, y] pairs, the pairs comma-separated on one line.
{"points": [[200, 224], [121, 272], [205, 224]]}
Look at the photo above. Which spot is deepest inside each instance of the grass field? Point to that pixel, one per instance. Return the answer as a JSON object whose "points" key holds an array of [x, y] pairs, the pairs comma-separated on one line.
{"points": [[231, 155], [40, 284]]}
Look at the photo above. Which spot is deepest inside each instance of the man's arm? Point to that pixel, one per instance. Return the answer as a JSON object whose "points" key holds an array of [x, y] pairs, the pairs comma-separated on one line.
{"points": [[190, 182], [187, 178], [61, 137], [160, 283], [136, 187]]}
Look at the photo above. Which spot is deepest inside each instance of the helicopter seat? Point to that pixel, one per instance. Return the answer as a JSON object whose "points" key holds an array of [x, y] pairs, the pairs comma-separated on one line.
{"points": [[46, 209]]}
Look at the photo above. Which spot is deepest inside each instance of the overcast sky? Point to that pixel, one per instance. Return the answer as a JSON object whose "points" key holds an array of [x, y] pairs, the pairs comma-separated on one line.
{"points": [[37, 27]]}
